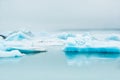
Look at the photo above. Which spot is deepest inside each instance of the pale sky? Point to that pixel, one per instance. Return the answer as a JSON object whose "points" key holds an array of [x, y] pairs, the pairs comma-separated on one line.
{"points": [[40, 15]]}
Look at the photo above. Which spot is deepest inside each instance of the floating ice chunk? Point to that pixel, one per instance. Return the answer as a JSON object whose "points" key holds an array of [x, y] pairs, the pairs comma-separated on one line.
{"points": [[27, 32], [80, 40], [87, 43], [92, 46], [114, 37], [73, 43], [65, 36], [22, 46], [14, 53], [18, 36], [27, 49]]}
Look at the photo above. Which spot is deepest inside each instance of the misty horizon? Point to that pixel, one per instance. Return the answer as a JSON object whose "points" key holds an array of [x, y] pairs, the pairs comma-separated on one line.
{"points": [[46, 15]]}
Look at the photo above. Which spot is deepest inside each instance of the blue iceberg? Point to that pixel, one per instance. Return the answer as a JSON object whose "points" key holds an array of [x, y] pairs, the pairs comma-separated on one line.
{"points": [[93, 49], [90, 44]]}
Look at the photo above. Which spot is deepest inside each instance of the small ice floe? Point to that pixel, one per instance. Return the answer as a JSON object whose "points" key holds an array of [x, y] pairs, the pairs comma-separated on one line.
{"points": [[21, 41], [27, 49], [22, 46], [14, 53], [18, 36], [65, 36]]}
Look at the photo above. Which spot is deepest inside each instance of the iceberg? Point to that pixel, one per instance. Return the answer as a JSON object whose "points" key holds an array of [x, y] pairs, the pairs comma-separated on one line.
{"points": [[27, 50], [65, 36], [91, 44], [18, 36], [22, 46], [14, 53]]}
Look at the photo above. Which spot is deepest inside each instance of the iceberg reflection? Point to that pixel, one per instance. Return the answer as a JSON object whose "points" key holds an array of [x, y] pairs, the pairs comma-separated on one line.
{"points": [[10, 60], [74, 58]]}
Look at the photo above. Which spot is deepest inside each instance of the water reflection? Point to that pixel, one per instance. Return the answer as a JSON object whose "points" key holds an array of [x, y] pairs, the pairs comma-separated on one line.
{"points": [[79, 59], [16, 59], [34, 53], [10, 60]]}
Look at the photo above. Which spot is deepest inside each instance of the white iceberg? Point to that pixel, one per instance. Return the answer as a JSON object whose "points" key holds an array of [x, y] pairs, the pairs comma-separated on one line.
{"points": [[91, 44], [14, 53], [18, 36], [27, 49], [65, 36], [22, 46]]}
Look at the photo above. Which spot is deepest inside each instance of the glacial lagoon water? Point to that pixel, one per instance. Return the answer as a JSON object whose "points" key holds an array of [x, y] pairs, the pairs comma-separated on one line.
{"points": [[58, 65]]}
